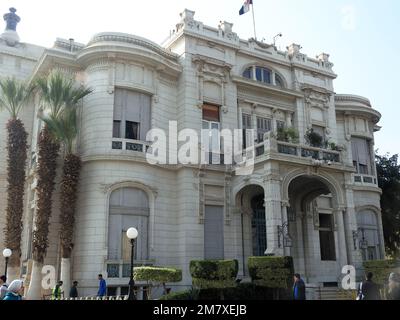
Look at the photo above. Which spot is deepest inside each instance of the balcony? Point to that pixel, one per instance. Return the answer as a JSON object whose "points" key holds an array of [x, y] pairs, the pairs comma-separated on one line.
{"points": [[271, 148], [365, 180], [130, 145]]}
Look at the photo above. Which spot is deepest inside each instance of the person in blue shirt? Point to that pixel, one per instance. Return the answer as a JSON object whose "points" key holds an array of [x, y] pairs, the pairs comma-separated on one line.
{"points": [[299, 288], [102, 286]]}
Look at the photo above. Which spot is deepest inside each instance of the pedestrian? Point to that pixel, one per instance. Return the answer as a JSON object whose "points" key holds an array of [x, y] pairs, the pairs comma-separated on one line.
{"points": [[299, 288], [56, 294], [368, 290], [102, 286], [15, 290], [393, 292], [73, 293], [4, 287]]}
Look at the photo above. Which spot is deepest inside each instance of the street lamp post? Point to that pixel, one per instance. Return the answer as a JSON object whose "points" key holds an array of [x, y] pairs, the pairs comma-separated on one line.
{"points": [[132, 234], [6, 254]]}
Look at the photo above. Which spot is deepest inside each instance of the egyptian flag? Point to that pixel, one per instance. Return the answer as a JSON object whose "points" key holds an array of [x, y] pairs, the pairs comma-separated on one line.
{"points": [[246, 7]]}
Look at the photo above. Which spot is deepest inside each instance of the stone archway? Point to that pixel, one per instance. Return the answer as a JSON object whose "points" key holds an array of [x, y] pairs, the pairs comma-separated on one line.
{"points": [[250, 203], [319, 247]]}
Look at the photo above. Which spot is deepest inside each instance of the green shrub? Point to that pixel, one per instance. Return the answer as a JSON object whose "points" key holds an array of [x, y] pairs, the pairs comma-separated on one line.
{"points": [[271, 272], [313, 138], [381, 269], [288, 135], [214, 273], [157, 274], [191, 294]]}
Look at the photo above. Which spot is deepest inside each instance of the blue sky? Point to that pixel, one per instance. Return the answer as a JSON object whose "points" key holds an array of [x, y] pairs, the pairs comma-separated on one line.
{"points": [[362, 36]]}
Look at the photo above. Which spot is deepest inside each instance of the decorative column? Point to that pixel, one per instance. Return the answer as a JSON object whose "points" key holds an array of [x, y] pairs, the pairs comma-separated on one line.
{"points": [[273, 212], [350, 226], [342, 250]]}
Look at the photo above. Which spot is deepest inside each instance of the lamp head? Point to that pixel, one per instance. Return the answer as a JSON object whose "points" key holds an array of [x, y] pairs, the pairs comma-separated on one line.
{"points": [[7, 253], [132, 233]]}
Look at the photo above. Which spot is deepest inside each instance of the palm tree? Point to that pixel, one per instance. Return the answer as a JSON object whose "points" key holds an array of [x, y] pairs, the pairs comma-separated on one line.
{"points": [[57, 94], [65, 129], [13, 97]]}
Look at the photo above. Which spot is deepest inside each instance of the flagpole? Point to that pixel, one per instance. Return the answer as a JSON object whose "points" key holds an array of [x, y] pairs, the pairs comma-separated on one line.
{"points": [[254, 21]]}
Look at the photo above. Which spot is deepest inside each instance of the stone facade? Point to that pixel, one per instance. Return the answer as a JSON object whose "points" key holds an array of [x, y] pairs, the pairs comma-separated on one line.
{"points": [[311, 197]]}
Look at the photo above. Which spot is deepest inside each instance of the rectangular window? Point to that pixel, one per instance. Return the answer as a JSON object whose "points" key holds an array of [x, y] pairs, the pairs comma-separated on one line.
{"points": [[131, 114], [132, 130], [327, 237], [211, 112], [214, 233], [263, 126], [246, 125], [361, 155]]}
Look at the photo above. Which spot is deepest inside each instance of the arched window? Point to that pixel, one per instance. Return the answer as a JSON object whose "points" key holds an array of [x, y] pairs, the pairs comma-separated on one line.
{"points": [[264, 75], [129, 207], [368, 235]]}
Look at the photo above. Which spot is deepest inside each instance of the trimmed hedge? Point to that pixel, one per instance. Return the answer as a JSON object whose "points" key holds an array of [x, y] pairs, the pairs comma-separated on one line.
{"points": [[271, 272], [214, 273], [182, 295], [242, 292], [381, 269], [157, 274]]}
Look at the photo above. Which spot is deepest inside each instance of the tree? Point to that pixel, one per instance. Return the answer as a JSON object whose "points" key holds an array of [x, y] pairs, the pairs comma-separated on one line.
{"points": [[388, 171], [57, 94], [65, 130], [13, 97]]}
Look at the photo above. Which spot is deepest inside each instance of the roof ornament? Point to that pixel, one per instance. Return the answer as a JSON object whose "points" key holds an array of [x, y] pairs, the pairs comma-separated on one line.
{"points": [[10, 35], [12, 19]]}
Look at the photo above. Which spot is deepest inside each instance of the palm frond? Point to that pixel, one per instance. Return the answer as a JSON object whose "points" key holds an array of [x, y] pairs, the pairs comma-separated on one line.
{"points": [[14, 95], [58, 92]]}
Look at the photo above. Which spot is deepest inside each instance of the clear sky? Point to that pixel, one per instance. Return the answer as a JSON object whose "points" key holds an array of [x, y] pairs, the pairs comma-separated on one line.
{"points": [[362, 36]]}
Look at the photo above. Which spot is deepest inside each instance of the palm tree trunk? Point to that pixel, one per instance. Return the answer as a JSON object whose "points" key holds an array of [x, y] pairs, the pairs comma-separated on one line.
{"points": [[47, 166], [16, 163], [35, 284], [68, 198]]}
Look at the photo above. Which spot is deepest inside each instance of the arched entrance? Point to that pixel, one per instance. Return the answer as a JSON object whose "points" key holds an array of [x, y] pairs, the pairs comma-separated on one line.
{"points": [[317, 229], [250, 201]]}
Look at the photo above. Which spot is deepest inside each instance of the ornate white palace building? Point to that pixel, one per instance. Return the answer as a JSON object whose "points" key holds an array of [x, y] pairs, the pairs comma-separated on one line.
{"points": [[319, 205]]}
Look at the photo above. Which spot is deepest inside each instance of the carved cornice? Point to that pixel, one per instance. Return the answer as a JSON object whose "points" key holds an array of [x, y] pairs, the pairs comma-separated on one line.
{"points": [[131, 39], [352, 98]]}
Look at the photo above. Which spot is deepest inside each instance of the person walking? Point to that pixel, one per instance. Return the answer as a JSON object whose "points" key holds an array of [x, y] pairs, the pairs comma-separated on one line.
{"points": [[102, 286], [368, 290], [56, 294], [73, 293], [299, 288], [4, 287], [15, 290], [393, 292]]}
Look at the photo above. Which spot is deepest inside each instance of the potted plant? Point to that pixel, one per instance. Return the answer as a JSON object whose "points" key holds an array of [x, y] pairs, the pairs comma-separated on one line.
{"points": [[288, 135], [313, 138]]}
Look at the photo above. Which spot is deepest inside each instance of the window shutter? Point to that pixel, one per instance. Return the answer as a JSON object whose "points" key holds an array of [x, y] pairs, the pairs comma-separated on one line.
{"points": [[132, 106], [214, 232], [363, 153], [145, 114], [210, 112]]}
